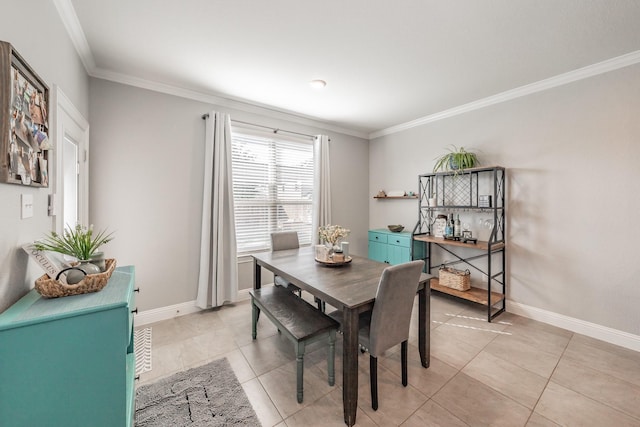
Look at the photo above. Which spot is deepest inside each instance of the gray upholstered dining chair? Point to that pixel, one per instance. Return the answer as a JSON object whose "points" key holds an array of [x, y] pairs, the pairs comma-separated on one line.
{"points": [[283, 240], [280, 241], [387, 325]]}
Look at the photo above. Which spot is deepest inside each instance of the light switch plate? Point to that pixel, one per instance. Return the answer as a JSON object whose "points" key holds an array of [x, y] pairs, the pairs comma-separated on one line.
{"points": [[27, 206]]}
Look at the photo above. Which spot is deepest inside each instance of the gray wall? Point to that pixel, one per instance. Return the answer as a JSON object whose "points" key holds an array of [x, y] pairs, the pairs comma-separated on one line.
{"points": [[146, 184], [572, 155], [42, 41]]}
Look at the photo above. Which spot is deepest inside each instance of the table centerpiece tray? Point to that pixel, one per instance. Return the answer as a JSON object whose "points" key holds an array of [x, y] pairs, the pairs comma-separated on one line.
{"points": [[331, 263]]}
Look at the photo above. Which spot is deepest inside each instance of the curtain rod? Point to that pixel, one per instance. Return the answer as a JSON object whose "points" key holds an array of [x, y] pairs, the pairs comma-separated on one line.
{"points": [[275, 130]]}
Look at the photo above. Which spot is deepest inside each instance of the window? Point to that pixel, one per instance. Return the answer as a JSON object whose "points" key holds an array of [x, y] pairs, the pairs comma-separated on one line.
{"points": [[273, 189]]}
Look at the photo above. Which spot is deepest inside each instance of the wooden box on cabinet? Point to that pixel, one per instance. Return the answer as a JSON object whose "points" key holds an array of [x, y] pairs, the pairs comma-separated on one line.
{"points": [[24, 122], [69, 361]]}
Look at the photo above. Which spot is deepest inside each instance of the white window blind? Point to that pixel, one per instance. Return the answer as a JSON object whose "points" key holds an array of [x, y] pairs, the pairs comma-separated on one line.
{"points": [[272, 189]]}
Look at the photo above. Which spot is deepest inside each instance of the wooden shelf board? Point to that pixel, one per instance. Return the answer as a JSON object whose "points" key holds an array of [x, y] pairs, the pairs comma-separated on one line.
{"points": [[476, 295], [396, 197], [482, 245]]}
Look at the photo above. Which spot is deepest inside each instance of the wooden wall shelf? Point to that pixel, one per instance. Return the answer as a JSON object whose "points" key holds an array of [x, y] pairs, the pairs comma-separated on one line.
{"points": [[395, 197]]}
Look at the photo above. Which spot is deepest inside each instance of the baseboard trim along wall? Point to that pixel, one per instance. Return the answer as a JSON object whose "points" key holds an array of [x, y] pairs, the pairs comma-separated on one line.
{"points": [[610, 335], [613, 336], [165, 313]]}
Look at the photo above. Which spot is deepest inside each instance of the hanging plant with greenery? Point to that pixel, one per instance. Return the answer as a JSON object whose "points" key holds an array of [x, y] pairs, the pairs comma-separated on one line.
{"points": [[456, 160]]}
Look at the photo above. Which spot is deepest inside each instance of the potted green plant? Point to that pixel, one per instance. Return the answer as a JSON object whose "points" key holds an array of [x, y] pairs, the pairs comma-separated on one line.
{"points": [[456, 159], [79, 242]]}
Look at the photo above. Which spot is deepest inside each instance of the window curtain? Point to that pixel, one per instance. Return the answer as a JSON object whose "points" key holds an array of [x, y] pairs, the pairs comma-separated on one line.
{"points": [[321, 185], [218, 276]]}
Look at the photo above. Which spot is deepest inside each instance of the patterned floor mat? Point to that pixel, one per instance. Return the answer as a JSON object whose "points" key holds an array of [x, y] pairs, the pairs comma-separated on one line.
{"points": [[142, 349]]}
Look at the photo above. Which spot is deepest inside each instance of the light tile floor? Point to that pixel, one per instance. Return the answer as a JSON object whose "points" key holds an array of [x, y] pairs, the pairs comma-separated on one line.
{"points": [[511, 372]]}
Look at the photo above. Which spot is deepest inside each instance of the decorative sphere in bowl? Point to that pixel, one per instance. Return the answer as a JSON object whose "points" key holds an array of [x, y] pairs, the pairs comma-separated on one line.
{"points": [[396, 228]]}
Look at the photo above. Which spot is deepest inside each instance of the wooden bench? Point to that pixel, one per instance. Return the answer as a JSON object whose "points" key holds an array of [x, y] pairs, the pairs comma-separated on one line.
{"points": [[299, 321]]}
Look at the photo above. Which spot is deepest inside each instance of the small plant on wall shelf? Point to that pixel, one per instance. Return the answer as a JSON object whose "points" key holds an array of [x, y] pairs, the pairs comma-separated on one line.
{"points": [[456, 160]]}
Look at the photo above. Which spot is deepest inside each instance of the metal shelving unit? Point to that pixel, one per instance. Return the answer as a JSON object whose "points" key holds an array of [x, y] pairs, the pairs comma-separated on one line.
{"points": [[460, 191]]}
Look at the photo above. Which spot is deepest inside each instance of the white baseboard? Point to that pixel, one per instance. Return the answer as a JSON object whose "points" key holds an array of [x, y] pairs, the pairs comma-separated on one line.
{"points": [[610, 335], [165, 313], [176, 310]]}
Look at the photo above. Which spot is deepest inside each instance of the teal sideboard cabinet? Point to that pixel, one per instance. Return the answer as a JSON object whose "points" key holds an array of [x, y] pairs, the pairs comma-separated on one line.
{"points": [[69, 361], [392, 248]]}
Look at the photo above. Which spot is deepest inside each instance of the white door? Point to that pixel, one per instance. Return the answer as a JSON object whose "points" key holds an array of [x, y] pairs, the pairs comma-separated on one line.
{"points": [[70, 185], [72, 165]]}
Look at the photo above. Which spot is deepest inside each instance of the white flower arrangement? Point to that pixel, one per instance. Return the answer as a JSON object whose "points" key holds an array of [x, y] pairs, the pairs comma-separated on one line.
{"points": [[332, 233]]}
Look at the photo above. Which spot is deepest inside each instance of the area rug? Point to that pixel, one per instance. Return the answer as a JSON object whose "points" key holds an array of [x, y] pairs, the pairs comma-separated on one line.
{"points": [[142, 349], [208, 395]]}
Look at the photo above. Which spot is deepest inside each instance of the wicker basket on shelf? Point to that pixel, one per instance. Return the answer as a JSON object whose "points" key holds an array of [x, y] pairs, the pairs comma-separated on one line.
{"points": [[51, 288], [454, 279]]}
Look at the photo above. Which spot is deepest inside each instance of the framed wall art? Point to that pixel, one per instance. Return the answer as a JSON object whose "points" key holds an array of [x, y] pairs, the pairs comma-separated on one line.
{"points": [[24, 122]]}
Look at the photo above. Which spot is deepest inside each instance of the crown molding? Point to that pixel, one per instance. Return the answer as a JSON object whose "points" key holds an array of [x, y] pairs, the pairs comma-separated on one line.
{"points": [[249, 107], [74, 29], [559, 80], [72, 24]]}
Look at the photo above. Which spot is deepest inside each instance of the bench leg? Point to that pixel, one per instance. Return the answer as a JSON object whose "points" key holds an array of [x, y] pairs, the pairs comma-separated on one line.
{"points": [[331, 357], [300, 368], [255, 312]]}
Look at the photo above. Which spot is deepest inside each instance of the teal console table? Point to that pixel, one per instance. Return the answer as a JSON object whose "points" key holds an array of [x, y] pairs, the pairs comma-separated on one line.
{"points": [[69, 361], [392, 248]]}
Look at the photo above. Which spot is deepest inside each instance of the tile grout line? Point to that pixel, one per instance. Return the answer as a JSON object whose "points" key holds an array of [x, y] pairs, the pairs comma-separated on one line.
{"points": [[549, 380], [601, 372]]}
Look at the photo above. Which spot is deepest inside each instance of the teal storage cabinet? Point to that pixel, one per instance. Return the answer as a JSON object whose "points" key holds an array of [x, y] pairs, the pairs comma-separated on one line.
{"points": [[387, 246], [399, 248], [69, 361], [378, 246]]}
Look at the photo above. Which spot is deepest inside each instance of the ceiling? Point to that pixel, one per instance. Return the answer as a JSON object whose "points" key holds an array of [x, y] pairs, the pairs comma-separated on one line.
{"points": [[386, 63]]}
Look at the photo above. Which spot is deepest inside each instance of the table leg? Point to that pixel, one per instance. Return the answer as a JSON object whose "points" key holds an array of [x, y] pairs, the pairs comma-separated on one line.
{"points": [[257, 283], [350, 365], [257, 275], [424, 327]]}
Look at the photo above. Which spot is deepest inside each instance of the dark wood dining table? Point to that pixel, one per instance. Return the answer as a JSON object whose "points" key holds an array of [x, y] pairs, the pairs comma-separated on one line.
{"points": [[350, 287]]}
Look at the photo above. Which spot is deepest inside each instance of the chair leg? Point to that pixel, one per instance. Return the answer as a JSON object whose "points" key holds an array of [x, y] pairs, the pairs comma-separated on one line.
{"points": [[403, 355], [300, 369], [321, 304], [373, 373]]}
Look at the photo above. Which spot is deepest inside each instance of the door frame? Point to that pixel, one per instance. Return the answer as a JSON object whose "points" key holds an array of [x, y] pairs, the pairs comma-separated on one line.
{"points": [[69, 121]]}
